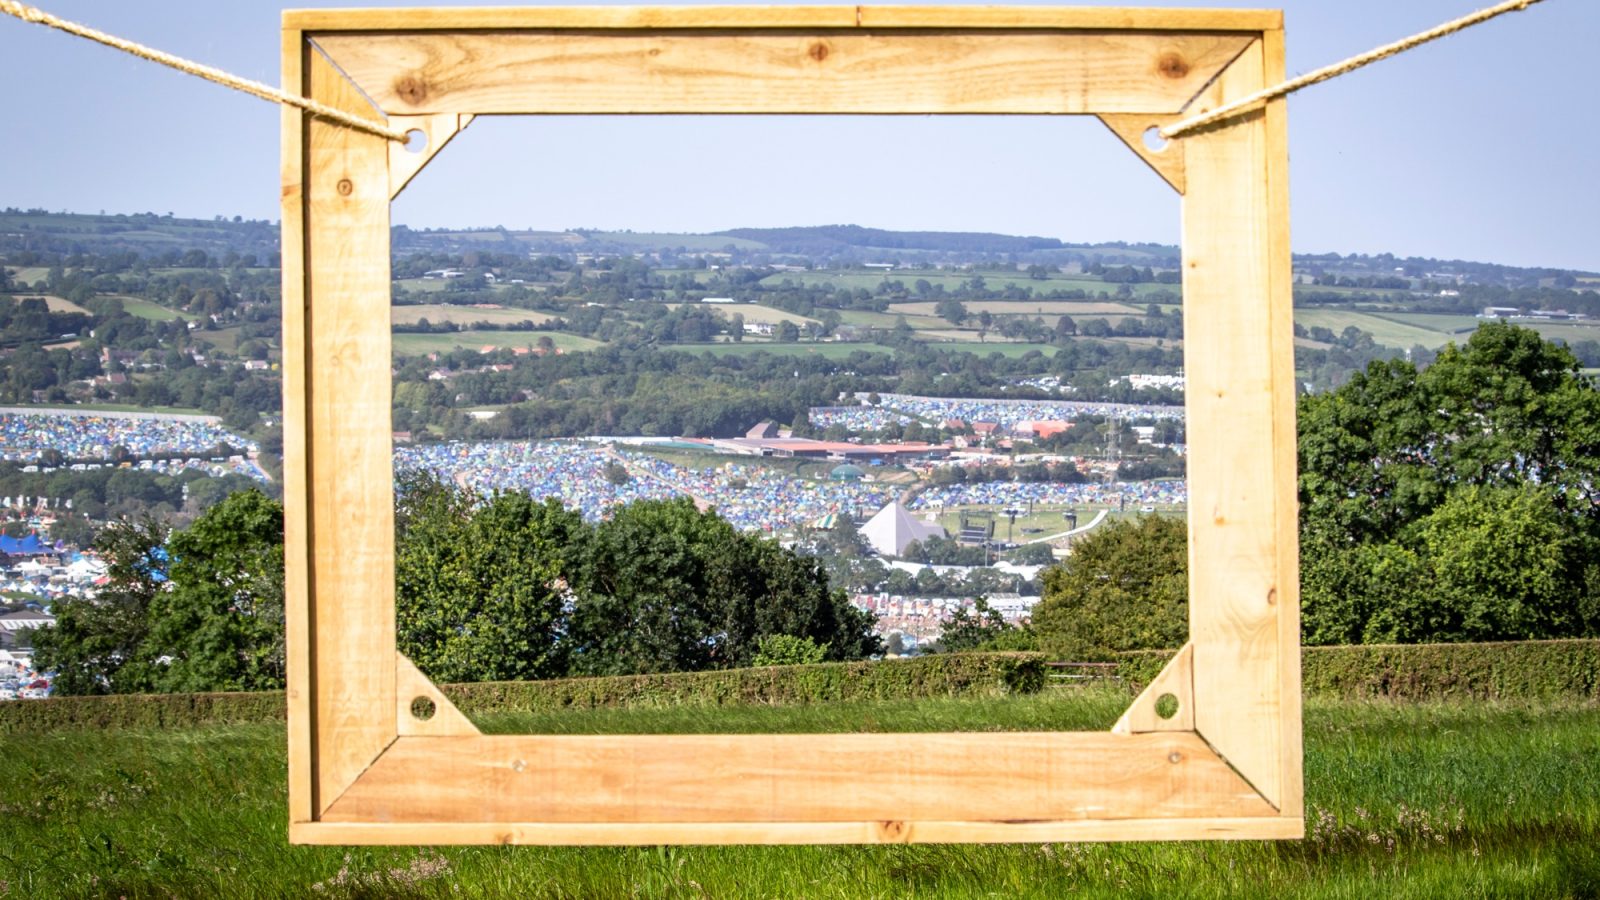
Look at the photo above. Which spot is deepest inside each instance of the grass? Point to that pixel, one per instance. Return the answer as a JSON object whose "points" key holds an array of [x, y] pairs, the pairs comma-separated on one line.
{"points": [[866, 319], [1431, 800], [1008, 349], [30, 275], [109, 407], [437, 285], [415, 344], [753, 313], [146, 309], [463, 315], [1572, 334], [1444, 322], [1386, 329], [827, 350], [1090, 285], [1048, 309], [1047, 519]]}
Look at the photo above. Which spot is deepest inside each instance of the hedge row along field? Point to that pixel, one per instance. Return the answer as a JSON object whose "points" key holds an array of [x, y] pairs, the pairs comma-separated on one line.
{"points": [[1531, 670], [1510, 670]]}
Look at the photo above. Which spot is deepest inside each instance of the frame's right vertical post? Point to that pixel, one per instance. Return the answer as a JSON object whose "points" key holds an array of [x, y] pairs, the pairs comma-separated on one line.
{"points": [[1285, 436], [1239, 358]]}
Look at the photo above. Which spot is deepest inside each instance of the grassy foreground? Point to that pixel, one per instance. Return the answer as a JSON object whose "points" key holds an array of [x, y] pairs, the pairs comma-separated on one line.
{"points": [[1412, 800]]}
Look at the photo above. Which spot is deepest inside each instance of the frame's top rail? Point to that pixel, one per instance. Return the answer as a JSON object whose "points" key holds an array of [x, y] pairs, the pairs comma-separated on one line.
{"points": [[626, 17]]}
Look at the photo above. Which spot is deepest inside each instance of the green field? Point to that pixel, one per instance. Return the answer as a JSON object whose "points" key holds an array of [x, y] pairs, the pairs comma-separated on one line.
{"points": [[1428, 800], [222, 338], [984, 348], [1401, 331], [436, 285], [30, 275], [827, 350], [1450, 324], [89, 408], [1047, 309], [650, 240], [414, 344], [146, 309], [1091, 285], [1044, 520], [752, 312], [866, 319], [1572, 334], [463, 315]]}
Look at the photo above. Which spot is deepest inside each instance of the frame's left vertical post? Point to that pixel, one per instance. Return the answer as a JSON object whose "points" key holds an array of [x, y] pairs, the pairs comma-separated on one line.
{"points": [[338, 452], [297, 587]]}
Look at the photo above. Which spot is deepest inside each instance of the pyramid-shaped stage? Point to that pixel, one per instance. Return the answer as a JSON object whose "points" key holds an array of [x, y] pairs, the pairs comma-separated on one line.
{"points": [[892, 529]]}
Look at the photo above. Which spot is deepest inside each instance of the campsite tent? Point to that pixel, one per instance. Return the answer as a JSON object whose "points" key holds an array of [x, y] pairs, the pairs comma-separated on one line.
{"points": [[28, 546]]}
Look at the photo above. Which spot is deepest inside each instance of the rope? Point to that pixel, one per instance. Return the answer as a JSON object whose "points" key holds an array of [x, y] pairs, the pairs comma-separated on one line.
{"points": [[1176, 130], [1194, 123], [254, 88]]}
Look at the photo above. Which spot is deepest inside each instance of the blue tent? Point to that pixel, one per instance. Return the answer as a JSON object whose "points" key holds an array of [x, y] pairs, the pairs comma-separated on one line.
{"points": [[28, 546]]}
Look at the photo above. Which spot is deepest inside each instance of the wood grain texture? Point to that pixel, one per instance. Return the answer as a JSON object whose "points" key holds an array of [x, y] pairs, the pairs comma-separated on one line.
{"points": [[1166, 162], [635, 17], [823, 71], [299, 662], [405, 163], [796, 778], [1236, 325], [1177, 679], [347, 500], [410, 684], [887, 832], [1291, 750]]}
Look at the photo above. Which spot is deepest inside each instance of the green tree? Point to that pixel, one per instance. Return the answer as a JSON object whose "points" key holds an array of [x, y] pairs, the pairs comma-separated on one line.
{"points": [[664, 587], [1458, 502], [98, 646], [481, 587], [787, 650], [951, 310], [220, 622], [972, 630], [1125, 587]]}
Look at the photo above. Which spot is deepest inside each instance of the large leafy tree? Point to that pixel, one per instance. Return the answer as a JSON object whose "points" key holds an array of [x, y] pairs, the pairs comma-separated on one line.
{"points": [[219, 624], [1453, 503], [98, 646], [481, 586], [665, 587], [1125, 587]]}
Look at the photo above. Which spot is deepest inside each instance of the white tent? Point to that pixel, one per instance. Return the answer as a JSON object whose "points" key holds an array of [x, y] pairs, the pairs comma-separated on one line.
{"points": [[892, 529]]}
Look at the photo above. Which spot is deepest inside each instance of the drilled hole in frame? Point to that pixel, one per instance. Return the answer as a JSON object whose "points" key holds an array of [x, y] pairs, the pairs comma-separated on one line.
{"points": [[1153, 141], [1167, 706], [422, 709], [416, 140]]}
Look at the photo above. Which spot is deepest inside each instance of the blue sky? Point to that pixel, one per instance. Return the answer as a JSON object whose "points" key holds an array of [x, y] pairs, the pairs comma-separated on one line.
{"points": [[1482, 146]]}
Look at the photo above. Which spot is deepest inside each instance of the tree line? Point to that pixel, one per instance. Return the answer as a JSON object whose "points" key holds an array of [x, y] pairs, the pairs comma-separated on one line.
{"points": [[1454, 502], [487, 588]]}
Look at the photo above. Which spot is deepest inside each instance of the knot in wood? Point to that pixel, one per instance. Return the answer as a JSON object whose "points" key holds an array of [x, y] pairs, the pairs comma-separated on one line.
{"points": [[411, 88], [1171, 65], [346, 187], [818, 51]]}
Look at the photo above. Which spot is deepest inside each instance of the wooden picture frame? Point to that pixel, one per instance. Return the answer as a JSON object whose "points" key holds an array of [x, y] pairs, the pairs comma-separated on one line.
{"points": [[362, 769]]}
